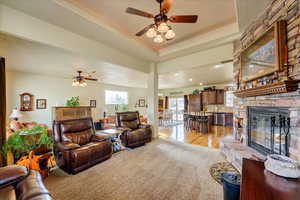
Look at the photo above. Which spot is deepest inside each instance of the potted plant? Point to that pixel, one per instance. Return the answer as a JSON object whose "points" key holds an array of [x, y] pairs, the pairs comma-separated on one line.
{"points": [[26, 140], [73, 102], [196, 91]]}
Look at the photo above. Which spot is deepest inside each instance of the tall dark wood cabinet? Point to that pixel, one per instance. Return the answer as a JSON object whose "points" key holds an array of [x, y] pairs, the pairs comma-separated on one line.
{"points": [[195, 103], [220, 94]]}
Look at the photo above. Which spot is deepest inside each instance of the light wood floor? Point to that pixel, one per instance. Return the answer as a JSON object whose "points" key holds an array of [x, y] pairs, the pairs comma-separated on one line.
{"points": [[211, 140]]}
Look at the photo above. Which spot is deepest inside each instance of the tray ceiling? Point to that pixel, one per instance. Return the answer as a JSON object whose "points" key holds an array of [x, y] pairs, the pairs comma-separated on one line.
{"points": [[212, 14]]}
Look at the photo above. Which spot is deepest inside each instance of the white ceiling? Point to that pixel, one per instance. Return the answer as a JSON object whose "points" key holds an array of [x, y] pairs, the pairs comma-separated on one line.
{"points": [[206, 75], [26, 56], [113, 13], [105, 21], [32, 57]]}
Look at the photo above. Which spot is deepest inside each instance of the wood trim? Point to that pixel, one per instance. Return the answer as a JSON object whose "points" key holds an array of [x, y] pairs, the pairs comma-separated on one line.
{"points": [[280, 37], [275, 88], [3, 108]]}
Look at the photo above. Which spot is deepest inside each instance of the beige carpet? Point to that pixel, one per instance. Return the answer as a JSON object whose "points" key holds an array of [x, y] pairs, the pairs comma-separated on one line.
{"points": [[160, 170]]}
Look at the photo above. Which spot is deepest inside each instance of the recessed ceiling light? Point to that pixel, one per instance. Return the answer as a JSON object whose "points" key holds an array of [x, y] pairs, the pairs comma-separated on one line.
{"points": [[190, 79], [219, 66], [200, 83]]}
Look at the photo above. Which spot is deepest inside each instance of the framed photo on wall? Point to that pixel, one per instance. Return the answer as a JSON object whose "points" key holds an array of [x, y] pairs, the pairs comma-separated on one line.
{"points": [[142, 103], [93, 103], [41, 104]]}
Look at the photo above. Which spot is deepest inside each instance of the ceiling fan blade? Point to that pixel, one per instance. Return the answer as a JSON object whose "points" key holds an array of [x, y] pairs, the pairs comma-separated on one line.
{"points": [[142, 32], [184, 19], [139, 12], [166, 6], [91, 79]]}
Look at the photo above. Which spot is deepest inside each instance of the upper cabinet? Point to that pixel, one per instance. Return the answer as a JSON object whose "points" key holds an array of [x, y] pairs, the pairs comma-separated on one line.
{"points": [[220, 97], [195, 103], [213, 97]]}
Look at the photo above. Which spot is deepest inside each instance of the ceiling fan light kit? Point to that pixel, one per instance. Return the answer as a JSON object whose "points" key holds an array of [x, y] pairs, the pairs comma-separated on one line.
{"points": [[160, 30], [80, 80]]}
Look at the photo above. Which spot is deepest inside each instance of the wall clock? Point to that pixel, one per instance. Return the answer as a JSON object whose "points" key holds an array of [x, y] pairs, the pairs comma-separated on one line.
{"points": [[26, 102]]}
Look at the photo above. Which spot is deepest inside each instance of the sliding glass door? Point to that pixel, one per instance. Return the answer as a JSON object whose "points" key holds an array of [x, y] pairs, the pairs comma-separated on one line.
{"points": [[177, 107]]}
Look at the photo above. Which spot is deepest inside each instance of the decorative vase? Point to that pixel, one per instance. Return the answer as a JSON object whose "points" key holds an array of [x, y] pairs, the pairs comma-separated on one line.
{"points": [[282, 166]]}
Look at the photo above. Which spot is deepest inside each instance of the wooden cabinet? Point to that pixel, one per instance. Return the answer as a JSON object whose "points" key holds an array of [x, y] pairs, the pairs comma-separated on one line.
{"points": [[213, 97], [220, 97], [195, 104], [67, 113], [258, 183]]}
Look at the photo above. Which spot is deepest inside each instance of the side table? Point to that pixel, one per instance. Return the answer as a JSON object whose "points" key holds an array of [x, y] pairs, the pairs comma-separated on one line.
{"points": [[114, 135]]}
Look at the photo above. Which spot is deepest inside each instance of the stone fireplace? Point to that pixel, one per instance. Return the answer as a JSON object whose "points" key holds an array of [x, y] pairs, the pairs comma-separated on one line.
{"points": [[275, 125], [268, 130]]}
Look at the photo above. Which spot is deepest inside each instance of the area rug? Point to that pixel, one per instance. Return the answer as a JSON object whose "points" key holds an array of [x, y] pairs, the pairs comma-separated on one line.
{"points": [[159, 170], [218, 168]]}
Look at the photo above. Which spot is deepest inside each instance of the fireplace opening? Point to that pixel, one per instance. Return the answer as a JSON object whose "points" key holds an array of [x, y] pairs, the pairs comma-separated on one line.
{"points": [[269, 130]]}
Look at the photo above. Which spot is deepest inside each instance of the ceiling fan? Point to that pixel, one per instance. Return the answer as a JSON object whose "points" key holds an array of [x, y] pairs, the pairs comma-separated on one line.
{"points": [[80, 79], [160, 29]]}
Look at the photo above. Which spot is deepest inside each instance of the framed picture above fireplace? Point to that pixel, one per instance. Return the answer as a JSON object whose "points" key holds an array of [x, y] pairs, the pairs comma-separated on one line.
{"points": [[265, 55]]}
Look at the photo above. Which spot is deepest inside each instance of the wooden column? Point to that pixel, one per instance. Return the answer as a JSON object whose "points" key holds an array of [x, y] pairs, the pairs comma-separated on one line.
{"points": [[2, 107]]}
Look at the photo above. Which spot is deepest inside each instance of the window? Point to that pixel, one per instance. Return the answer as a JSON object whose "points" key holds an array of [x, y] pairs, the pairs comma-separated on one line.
{"points": [[116, 97], [229, 99]]}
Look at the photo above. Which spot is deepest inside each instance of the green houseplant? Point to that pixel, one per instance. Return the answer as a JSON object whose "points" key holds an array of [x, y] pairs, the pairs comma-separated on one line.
{"points": [[26, 140], [196, 91], [73, 102]]}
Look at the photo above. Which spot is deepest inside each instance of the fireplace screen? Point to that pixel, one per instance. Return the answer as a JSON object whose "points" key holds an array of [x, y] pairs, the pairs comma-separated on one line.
{"points": [[268, 130]]}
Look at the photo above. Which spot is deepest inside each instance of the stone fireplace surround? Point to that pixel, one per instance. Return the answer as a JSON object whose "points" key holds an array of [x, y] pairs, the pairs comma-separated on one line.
{"points": [[235, 150]]}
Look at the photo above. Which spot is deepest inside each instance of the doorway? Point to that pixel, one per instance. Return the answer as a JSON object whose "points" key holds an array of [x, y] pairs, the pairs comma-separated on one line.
{"points": [[177, 108]]}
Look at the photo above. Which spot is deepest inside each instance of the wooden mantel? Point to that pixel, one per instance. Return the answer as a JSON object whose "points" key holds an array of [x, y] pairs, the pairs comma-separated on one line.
{"points": [[275, 88], [259, 184], [67, 113]]}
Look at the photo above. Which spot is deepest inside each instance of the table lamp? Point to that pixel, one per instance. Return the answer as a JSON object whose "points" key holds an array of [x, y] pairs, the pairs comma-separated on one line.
{"points": [[15, 114]]}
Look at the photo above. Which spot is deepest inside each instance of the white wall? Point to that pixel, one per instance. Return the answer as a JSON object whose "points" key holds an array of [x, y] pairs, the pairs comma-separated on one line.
{"points": [[58, 90]]}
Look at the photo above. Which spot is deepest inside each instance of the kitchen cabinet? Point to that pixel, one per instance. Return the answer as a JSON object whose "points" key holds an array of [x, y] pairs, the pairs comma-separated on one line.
{"points": [[220, 97], [195, 103], [213, 97]]}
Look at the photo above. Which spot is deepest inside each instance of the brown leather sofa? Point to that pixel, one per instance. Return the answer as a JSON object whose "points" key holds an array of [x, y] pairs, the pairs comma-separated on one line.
{"points": [[77, 146], [17, 182], [134, 134]]}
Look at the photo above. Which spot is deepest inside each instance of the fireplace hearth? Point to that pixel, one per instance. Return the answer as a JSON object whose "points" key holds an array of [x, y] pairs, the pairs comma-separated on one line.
{"points": [[269, 130]]}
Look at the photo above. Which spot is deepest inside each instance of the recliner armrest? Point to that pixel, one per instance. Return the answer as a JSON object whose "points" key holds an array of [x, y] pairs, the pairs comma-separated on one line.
{"points": [[99, 138], [144, 126], [67, 146]]}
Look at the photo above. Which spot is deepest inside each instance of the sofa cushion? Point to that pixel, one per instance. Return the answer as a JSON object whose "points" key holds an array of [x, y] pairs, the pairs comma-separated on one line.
{"points": [[81, 138], [75, 126], [130, 124]]}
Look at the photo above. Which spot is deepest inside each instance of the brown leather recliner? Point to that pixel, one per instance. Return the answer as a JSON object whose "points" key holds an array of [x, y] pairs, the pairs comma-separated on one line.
{"points": [[77, 146], [17, 182], [134, 134]]}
